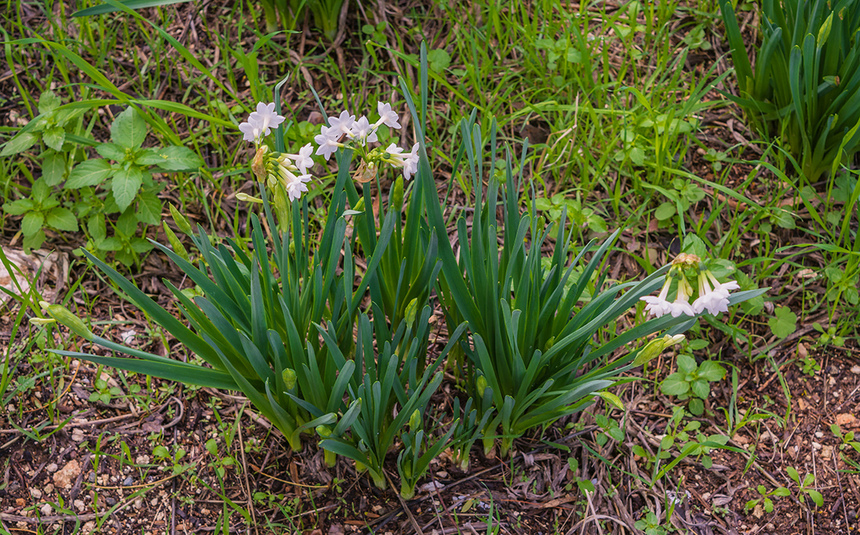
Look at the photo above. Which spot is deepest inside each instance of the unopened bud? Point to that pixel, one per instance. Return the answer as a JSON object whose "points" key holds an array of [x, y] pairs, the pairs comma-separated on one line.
{"points": [[655, 347], [64, 316], [411, 311], [258, 164], [397, 193], [415, 420], [42, 321], [289, 377], [177, 246], [244, 197], [181, 223], [482, 385]]}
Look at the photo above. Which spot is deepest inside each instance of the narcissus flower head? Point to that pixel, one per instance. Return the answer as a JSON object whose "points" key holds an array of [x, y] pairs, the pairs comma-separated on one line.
{"points": [[713, 296], [260, 123]]}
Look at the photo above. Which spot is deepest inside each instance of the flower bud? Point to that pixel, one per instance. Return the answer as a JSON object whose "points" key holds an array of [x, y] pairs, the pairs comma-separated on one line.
{"points": [[181, 223], [686, 260], [482, 385], [64, 316], [415, 420], [244, 197], [42, 321], [655, 347], [289, 376], [411, 311], [397, 193], [177, 246], [258, 164]]}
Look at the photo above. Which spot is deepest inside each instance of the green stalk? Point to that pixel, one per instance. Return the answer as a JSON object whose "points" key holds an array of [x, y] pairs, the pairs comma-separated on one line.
{"points": [[271, 15]]}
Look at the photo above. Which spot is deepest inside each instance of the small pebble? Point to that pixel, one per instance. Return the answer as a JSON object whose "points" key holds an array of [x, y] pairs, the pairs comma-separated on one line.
{"points": [[46, 509], [36, 493], [127, 481], [52, 468]]}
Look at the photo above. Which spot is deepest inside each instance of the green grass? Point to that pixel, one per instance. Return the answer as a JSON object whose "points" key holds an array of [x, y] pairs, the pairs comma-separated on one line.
{"points": [[613, 101]]}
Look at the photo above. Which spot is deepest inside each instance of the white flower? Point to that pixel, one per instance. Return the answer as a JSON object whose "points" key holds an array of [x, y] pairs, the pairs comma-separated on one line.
{"points": [[724, 287], [387, 116], [713, 302], [260, 122], [716, 300], [251, 130], [327, 143], [340, 125], [265, 113], [408, 162], [412, 160], [681, 306], [395, 153], [303, 158], [296, 186], [363, 131], [658, 306]]}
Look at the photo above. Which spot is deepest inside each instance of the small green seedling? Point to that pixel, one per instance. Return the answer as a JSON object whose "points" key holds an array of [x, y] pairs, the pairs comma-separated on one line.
{"points": [[805, 487], [585, 485], [692, 381], [611, 429], [847, 439], [162, 453], [765, 498], [829, 336], [651, 525]]}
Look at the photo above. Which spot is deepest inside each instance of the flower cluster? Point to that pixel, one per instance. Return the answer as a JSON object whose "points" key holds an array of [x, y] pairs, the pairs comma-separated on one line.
{"points": [[344, 131], [292, 170], [713, 295], [289, 170]]}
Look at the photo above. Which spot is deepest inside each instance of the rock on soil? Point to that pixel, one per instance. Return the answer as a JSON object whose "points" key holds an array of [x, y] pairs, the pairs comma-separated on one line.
{"points": [[64, 477]]}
